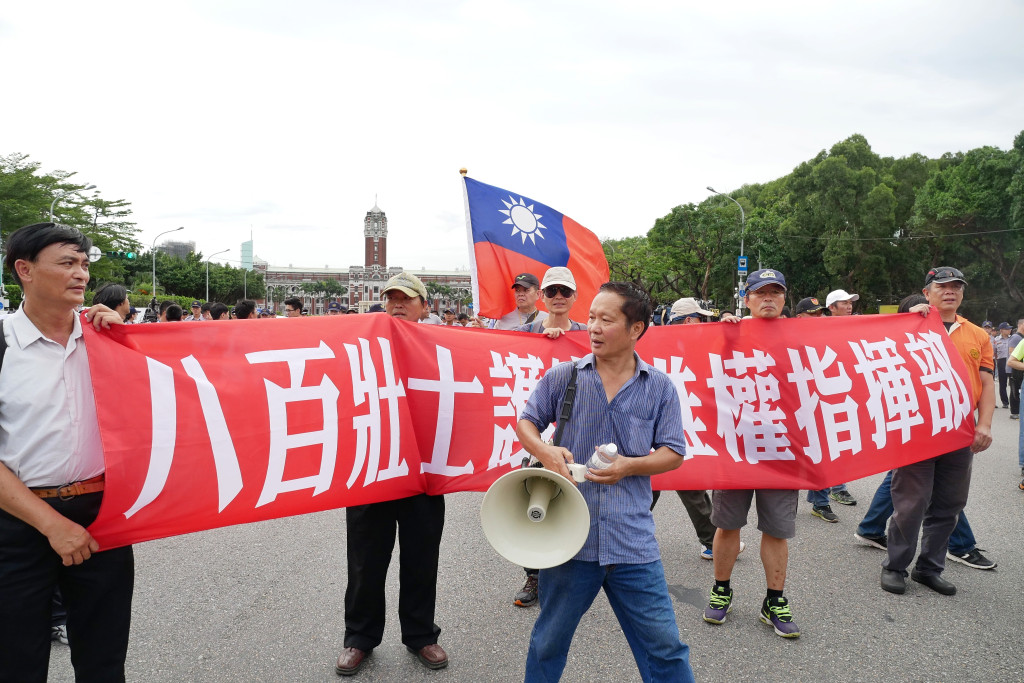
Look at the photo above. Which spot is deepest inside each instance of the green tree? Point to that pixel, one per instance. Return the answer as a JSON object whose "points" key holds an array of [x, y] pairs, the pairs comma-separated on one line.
{"points": [[972, 207], [26, 195], [843, 227], [323, 289], [698, 243]]}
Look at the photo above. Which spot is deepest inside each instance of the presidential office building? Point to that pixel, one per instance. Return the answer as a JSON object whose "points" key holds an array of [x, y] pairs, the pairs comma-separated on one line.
{"points": [[363, 282]]}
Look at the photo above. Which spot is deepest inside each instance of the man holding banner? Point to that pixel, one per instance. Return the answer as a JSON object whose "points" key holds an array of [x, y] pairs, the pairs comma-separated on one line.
{"points": [[619, 399], [52, 471], [932, 493], [776, 508], [371, 539]]}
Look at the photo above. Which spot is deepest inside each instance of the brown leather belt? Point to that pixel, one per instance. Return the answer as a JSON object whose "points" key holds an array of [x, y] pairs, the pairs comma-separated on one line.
{"points": [[71, 490]]}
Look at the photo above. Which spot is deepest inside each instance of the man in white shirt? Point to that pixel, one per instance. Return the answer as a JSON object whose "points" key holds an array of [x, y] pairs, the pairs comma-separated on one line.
{"points": [[51, 471]]}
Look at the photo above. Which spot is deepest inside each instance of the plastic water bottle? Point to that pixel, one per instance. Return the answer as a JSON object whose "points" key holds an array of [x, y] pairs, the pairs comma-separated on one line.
{"points": [[603, 457]]}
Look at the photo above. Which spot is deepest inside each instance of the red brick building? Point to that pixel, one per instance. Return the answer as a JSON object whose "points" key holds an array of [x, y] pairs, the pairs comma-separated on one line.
{"points": [[447, 288]]}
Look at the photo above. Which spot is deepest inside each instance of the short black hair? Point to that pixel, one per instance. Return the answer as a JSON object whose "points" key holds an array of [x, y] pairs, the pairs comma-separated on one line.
{"points": [[218, 311], [110, 295], [636, 304], [295, 302], [174, 313], [205, 307], [24, 244], [911, 301], [244, 308]]}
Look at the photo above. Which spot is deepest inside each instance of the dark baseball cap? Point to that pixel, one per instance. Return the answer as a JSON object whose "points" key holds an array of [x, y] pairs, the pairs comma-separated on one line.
{"points": [[763, 277], [526, 280], [1004, 326], [808, 305], [944, 274]]}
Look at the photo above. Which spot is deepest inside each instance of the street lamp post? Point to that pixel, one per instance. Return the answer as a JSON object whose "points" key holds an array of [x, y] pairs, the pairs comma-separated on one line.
{"points": [[741, 265], [245, 290], [153, 253], [67, 192], [208, 271]]}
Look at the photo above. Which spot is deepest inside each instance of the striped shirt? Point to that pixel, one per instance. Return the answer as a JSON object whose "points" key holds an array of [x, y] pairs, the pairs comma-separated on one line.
{"points": [[643, 415]]}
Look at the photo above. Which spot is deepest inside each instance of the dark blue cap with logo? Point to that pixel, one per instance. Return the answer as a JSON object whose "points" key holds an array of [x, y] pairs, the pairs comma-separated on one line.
{"points": [[765, 276]]}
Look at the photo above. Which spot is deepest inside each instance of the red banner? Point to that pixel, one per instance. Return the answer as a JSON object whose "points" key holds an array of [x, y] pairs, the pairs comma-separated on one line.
{"points": [[209, 424]]}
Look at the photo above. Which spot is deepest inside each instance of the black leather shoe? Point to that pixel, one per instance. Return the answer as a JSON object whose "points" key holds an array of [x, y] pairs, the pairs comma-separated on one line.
{"points": [[894, 582], [935, 582], [350, 661], [431, 656]]}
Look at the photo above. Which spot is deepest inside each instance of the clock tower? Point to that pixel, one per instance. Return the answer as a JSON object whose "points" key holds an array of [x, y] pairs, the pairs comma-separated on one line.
{"points": [[375, 234]]}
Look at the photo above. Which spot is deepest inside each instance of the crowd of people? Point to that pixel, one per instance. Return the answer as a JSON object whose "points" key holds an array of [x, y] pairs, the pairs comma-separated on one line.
{"points": [[52, 473]]}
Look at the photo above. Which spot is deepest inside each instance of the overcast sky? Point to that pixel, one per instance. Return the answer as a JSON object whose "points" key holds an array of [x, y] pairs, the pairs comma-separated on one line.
{"points": [[287, 118]]}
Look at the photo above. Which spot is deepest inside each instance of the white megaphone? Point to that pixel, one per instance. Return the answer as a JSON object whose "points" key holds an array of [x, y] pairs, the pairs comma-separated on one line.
{"points": [[535, 517]]}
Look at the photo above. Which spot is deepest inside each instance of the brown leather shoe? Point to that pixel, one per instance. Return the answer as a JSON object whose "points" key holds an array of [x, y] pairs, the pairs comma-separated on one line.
{"points": [[432, 656], [350, 661]]}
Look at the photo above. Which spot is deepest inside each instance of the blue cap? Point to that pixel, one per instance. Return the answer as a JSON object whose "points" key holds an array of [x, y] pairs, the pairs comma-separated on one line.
{"points": [[765, 276]]}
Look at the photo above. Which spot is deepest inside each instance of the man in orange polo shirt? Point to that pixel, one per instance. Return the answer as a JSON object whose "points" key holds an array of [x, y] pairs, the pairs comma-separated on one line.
{"points": [[933, 492]]}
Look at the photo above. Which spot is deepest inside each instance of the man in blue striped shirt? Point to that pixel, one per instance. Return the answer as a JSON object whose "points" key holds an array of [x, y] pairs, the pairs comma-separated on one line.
{"points": [[622, 400]]}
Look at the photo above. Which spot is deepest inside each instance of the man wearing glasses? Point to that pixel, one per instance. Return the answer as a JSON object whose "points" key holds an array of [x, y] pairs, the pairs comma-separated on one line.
{"points": [[559, 290], [293, 307]]}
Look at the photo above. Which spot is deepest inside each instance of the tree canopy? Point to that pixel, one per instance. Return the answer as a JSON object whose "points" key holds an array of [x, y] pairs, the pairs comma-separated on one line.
{"points": [[850, 219]]}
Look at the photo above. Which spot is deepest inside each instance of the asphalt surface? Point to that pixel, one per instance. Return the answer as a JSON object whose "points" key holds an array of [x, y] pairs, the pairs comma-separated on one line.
{"points": [[264, 602]]}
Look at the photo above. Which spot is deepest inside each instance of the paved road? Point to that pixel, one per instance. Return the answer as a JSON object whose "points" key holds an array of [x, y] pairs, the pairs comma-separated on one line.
{"points": [[263, 602]]}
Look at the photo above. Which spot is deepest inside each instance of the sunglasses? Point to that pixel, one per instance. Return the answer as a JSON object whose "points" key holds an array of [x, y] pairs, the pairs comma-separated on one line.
{"points": [[551, 291]]}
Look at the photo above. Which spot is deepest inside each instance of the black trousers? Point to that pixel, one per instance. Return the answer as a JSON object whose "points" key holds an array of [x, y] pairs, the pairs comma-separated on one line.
{"points": [[1014, 383], [419, 521], [1004, 374], [97, 594]]}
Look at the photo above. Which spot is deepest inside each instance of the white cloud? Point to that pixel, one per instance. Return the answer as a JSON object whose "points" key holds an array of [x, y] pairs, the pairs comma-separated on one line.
{"points": [[288, 118]]}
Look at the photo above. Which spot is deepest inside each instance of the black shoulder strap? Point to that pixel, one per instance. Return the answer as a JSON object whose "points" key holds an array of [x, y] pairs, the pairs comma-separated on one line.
{"points": [[563, 417], [532, 316]]}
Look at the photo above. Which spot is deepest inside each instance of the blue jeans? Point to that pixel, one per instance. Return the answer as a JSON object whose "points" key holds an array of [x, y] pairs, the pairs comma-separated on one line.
{"points": [[961, 541], [820, 498], [639, 597], [1020, 445]]}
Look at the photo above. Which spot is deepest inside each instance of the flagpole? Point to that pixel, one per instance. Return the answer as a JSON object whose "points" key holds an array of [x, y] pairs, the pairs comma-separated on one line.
{"points": [[474, 281]]}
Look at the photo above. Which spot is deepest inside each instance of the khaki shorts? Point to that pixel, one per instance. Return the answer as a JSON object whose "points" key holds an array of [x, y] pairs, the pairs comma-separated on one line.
{"points": [[776, 510]]}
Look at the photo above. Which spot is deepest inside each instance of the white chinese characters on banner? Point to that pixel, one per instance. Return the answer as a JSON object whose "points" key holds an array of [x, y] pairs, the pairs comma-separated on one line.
{"points": [[366, 389], [814, 379], [446, 389], [948, 399], [688, 402], [892, 397], [281, 441], [747, 396]]}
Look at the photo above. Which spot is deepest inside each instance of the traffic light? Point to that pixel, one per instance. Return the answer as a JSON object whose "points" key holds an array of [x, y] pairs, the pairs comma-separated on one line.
{"points": [[121, 254]]}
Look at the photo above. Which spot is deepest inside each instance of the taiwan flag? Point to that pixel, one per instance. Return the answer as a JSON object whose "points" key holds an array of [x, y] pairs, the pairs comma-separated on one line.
{"points": [[511, 234]]}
